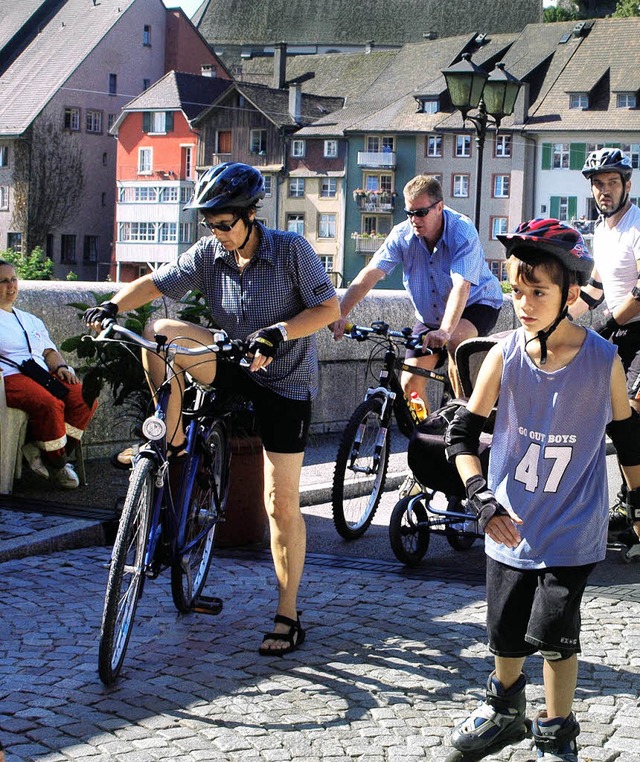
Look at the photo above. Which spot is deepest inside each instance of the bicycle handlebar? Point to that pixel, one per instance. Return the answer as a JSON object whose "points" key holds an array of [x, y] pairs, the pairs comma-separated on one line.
{"points": [[222, 343], [382, 329]]}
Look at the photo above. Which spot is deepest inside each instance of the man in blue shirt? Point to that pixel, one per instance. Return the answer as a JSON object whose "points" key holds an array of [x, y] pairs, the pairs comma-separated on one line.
{"points": [[454, 294]]}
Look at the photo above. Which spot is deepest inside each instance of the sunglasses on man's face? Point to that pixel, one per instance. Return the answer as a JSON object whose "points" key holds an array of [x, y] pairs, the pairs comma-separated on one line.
{"points": [[223, 227], [420, 212]]}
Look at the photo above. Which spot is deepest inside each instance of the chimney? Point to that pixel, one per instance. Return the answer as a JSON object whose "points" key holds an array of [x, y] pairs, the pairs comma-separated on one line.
{"points": [[279, 65], [368, 46], [207, 70], [295, 101]]}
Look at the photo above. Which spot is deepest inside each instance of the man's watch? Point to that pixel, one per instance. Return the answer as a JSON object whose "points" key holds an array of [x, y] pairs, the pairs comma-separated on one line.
{"points": [[635, 293]]}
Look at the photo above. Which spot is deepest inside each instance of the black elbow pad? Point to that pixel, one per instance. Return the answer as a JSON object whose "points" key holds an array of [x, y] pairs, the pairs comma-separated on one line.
{"points": [[625, 436], [463, 434]]}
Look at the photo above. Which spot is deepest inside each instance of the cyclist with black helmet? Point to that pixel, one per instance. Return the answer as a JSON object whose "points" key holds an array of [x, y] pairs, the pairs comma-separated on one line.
{"points": [[269, 287], [616, 280], [544, 505]]}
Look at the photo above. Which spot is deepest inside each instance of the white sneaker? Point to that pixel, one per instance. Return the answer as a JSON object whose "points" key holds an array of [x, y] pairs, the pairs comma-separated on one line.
{"points": [[34, 459], [66, 477]]}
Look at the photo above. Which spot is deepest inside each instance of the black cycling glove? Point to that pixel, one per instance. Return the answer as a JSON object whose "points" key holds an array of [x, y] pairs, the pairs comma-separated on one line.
{"points": [[606, 328], [632, 505], [100, 313], [483, 501], [267, 340]]}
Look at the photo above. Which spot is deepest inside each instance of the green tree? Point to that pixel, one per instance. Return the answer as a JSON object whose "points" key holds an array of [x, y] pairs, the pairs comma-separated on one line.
{"points": [[34, 266], [627, 8], [559, 12]]}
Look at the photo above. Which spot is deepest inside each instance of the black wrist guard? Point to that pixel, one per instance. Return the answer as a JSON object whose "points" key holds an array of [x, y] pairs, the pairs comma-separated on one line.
{"points": [[632, 505], [483, 501], [100, 313], [266, 341], [606, 328]]}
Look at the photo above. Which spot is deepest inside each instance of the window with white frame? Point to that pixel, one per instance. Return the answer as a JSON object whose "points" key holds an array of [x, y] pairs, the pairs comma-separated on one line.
{"points": [[4, 156], [328, 187], [137, 232], [378, 144], [93, 121], [296, 187], [560, 159], [499, 226], [295, 223], [501, 186], [144, 193], [503, 146], [579, 100], [327, 226], [626, 100], [157, 122], [111, 120], [434, 145], [460, 186], [327, 262], [632, 150], [168, 232], [170, 194], [186, 232], [72, 119], [428, 105], [258, 141], [145, 161], [376, 224], [330, 149], [462, 145], [4, 197], [186, 192], [14, 242], [297, 149], [267, 184]]}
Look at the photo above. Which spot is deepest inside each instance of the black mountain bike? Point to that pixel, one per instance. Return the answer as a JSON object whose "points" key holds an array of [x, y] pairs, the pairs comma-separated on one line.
{"points": [[363, 456]]}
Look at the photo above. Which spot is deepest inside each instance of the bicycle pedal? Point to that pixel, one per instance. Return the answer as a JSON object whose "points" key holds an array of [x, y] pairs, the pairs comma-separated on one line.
{"points": [[207, 604]]}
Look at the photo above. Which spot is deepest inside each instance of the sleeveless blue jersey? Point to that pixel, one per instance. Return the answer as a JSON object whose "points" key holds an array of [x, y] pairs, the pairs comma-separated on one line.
{"points": [[548, 455]]}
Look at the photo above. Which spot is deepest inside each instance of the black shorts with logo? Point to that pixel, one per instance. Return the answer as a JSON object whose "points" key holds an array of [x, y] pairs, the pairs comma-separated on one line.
{"points": [[283, 423], [534, 609]]}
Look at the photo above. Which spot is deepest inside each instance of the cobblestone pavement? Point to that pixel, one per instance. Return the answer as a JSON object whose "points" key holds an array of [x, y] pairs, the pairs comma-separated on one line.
{"points": [[393, 657]]}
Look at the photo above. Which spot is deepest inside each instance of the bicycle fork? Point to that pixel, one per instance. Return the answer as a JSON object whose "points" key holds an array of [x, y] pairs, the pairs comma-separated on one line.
{"points": [[385, 418]]}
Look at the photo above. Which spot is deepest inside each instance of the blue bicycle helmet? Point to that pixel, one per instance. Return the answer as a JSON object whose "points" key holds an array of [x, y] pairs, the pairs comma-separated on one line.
{"points": [[231, 185], [607, 160]]}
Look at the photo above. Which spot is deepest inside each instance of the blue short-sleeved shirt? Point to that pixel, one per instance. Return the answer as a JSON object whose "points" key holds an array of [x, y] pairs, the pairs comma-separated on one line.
{"points": [[284, 278], [427, 276]]}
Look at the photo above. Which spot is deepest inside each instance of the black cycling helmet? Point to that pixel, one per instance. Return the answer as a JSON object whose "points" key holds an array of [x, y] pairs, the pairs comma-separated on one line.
{"points": [[609, 160], [231, 185], [553, 237], [565, 244]]}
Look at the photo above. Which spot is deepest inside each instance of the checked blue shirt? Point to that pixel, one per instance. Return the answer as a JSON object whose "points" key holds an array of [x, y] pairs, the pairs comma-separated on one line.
{"points": [[284, 278], [427, 276]]}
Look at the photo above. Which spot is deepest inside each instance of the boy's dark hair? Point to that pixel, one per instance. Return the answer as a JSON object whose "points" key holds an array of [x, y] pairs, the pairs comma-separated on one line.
{"points": [[526, 271]]}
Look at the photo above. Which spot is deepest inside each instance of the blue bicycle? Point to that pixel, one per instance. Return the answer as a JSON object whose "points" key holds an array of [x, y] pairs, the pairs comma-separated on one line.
{"points": [[165, 525]]}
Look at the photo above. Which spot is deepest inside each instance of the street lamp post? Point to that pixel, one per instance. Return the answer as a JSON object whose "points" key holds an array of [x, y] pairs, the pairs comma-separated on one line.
{"points": [[493, 96]]}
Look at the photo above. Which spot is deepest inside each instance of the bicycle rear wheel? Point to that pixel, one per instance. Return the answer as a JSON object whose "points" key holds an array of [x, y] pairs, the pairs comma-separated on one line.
{"points": [[126, 571], [204, 506], [361, 469]]}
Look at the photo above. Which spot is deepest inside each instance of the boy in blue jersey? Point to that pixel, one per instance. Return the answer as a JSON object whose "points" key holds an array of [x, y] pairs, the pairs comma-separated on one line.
{"points": [[545, 516]]}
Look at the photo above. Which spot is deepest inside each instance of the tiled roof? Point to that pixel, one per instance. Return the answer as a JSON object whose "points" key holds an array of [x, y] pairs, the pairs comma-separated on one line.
{"points": [[44, 66], [343, 22], [190, 93], [612, 48], [14, 15]]}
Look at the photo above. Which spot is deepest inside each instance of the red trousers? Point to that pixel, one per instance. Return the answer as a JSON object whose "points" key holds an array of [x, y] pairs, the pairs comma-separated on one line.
{"points": [[55, 425]]}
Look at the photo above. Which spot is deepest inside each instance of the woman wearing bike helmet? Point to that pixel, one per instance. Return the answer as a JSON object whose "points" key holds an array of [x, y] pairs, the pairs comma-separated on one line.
{"points": [[558, 388], [269, 287]]}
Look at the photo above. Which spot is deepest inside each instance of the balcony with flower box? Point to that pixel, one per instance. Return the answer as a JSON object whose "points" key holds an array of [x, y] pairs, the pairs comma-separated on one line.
{"points": [[377, 159], [380, 202], [367, 243]]}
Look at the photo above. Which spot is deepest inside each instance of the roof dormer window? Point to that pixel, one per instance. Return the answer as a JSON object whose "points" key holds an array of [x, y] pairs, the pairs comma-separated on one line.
{"points": [[428, 105], [579, 100], [626, 100]]}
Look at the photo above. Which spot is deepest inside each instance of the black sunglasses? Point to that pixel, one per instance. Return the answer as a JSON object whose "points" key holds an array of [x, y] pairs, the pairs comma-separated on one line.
{"points": [[223, 227], [420, 212]]}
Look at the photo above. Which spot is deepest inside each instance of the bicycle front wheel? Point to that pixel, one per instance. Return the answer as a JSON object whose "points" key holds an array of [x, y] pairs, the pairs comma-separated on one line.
{"points": [[361, 469], [204, 506], [126, 571]]}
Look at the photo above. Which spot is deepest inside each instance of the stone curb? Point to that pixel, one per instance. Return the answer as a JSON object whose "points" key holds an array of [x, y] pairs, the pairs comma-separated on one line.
{"points": [[73, 533]]}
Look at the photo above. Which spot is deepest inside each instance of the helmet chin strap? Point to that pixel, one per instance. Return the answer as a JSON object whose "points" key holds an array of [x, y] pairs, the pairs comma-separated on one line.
{"points": [[542, 336], [248, 236], [606, 215]]}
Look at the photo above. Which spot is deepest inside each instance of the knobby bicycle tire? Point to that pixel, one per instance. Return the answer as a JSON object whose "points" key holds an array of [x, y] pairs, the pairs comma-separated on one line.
{"points": [[409, 541], [126, 571], [358, 481], [204, 505]]}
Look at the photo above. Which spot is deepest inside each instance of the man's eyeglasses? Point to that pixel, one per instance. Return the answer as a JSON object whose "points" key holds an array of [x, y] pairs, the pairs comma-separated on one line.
{"points": [[223, 227], [420, 212]]}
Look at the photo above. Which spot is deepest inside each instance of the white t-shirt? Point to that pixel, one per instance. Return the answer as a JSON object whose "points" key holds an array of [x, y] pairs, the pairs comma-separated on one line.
{"points": [[13, 343], [616, 252]]}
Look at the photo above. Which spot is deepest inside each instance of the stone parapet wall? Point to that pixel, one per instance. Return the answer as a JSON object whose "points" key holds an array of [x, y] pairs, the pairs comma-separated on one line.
{"points": [[343, 365]]}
